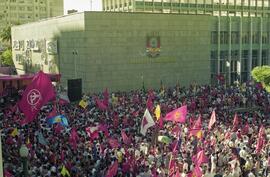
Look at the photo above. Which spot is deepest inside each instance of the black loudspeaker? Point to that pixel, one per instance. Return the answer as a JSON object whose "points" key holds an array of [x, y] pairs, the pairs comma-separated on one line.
{"points": [[75, 89]]}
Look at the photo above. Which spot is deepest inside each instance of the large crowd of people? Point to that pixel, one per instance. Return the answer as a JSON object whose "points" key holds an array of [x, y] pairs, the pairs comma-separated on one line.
{"points": [[230, 150]]}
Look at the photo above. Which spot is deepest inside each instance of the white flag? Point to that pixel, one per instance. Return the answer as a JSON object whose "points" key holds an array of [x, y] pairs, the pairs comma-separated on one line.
{"points": [[147, 122]]}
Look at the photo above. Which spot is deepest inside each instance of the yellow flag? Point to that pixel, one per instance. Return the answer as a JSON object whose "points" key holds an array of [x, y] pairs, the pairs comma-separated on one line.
{"points": [[114, 100], [64, 171], [199, 134], [14, 132], [83, 104], [157, 112], [28, 141]]}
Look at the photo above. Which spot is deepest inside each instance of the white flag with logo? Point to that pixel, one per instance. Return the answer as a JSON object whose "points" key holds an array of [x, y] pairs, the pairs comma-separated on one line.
{"points": [[147, 122]]}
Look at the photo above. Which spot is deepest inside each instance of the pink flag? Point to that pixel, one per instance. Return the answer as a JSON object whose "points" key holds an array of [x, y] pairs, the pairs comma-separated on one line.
{"points": [[104, 129], [113, 143], [106, 97], [245, 130], [198, 123], [112, 171], [262, 131], [196, 172], [176, 130], [154, 172], [172, 166], [63, 99], [7, 173], [37, 94], [177, 115], [177, 174], [92, 132], [200, 158], [160, 122], [62, 155], [125, 138], [212, 120], [260, 139], [259, 145], [149, 103], [100, 104], [235, 121]]}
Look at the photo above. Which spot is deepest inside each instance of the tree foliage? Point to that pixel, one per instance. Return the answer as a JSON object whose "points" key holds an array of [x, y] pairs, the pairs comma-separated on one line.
{"points": [[6, 58], [262, 74], [5, 34]]}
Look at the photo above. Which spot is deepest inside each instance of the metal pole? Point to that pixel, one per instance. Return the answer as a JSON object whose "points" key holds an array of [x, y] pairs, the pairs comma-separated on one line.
{"points": [[25, 167], [1, 157]]}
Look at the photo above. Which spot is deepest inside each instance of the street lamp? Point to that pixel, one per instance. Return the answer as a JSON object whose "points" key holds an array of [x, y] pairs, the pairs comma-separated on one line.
{"points": [[24, 154], [74, 53], [142, 83], [228, 80]]}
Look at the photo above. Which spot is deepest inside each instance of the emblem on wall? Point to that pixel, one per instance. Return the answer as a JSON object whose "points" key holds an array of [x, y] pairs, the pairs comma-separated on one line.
{"points": [[51, 47], [153, 46]]}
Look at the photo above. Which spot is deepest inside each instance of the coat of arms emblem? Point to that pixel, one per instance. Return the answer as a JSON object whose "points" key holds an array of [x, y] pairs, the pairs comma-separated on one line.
{"points": [[153, 46]]}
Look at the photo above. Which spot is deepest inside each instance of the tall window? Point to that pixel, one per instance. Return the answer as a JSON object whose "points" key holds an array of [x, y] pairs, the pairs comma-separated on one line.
{"points": [[214, 37], [234, 37]]}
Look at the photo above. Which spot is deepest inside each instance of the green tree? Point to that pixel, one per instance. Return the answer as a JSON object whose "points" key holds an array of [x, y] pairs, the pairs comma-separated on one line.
{"points": [[262, 74], [5, 34], [6, 58]]}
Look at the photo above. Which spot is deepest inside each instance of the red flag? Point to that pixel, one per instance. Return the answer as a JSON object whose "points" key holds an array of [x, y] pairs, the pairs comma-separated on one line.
{"points": [[160, 122], [112, 171], [113, 143], [37, 94], [125, 138], [212, 120], [73, 138], [53, 113], [235, 121], [177, 115], [58, 128]]}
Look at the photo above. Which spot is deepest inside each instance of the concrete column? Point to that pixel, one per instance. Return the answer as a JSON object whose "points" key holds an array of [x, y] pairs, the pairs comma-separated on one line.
{"points": [[218, 49], [229, 51], [260, 46], [179, 10], [204, 6], [196, 1], [240, 46], [250, 49]]}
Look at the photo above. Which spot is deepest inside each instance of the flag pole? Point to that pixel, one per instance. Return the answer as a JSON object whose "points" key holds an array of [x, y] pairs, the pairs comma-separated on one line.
{"points": [[1, 157]]}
